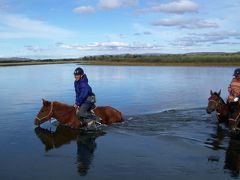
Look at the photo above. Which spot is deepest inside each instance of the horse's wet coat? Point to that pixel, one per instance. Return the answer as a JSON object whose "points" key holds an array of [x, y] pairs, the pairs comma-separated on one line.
{"points": [[66, 114]]}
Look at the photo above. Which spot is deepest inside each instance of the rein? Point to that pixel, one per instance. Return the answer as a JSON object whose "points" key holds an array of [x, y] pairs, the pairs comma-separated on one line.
{"points": [[236, 120], [51, 110]]}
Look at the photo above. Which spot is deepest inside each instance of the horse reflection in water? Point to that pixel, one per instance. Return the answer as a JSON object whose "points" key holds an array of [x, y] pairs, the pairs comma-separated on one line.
{"points": [[232, 149], [86, 144]]}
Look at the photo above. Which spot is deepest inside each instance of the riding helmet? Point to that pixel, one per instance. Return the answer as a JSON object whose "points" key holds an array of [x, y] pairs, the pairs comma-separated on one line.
{"points": [[236, 72], [78, 71]]}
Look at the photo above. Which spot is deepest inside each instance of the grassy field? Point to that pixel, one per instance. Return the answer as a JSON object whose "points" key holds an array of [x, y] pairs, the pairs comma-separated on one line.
{"points": [[202, 59]]}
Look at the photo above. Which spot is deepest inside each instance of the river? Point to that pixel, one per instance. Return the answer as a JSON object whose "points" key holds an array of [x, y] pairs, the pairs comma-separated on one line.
{"points": [[167, 133]]}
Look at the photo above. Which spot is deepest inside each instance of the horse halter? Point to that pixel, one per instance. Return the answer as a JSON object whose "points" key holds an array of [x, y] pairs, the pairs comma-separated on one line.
{"points": [[216, 102], [236, 120], [51, 111]]}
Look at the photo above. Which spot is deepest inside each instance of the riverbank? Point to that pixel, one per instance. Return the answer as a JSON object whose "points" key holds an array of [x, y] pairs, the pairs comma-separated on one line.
{"points": [[214, 59]]}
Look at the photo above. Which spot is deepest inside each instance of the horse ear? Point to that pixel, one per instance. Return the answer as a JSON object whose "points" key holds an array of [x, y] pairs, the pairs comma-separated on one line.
{"points": [[219, 93], [211, 92], [45, 102]]}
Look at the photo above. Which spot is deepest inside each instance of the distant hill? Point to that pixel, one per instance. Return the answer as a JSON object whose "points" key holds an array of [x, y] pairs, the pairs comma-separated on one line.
{"points": [[15, 59], [206, 53], [158, 59]]}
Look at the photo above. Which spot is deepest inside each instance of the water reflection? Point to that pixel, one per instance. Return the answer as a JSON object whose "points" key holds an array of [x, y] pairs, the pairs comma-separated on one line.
{"points": [[86, 143], [232, 159], [215, 142], [232, 148]]}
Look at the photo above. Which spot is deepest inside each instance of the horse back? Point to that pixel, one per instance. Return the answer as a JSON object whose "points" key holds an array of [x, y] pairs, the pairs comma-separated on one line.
{"points": [[108, 114]]}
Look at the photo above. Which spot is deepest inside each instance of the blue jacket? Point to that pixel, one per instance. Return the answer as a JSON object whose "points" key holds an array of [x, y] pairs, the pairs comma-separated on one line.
{"points": [[83, 90]]}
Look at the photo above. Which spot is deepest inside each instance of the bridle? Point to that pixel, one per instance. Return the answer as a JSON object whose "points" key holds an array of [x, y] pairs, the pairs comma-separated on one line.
{"points": [[50, 113], [217, 103]]}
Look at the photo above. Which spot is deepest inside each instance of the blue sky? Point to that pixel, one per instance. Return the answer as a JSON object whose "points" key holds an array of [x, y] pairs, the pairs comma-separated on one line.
{"points": [[75, 28]]}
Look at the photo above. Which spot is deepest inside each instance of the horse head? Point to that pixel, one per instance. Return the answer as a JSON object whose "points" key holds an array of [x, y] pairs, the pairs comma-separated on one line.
{"points": [[213, 101], [45, 112]]}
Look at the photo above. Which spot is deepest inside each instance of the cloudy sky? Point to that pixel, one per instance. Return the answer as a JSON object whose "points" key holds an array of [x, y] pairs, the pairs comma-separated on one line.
{"points": [[75, 28]]}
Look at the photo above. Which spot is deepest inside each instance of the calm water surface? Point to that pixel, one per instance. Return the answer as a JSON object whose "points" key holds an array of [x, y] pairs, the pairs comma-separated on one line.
{"points": [[167, 134]]}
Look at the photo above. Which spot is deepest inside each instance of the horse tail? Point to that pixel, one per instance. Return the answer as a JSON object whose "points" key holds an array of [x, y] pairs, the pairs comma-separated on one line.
{"points": [[122, 117]]}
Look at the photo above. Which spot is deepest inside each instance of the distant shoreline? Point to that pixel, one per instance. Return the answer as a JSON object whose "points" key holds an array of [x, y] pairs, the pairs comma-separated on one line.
{"points": [[221, 59], [99, 63]]}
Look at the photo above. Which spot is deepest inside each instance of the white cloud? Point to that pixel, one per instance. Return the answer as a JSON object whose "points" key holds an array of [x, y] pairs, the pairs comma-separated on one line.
{"points": [[17, 26], [217, 37], [112, 46], [147, 33], [113, 4], [34, 48], [176, 6], [84, 9], [114, 37], [185, 23]]}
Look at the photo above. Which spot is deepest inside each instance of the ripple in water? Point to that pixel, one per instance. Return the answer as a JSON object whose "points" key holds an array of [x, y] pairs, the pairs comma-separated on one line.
{"points": [[189, 124]]}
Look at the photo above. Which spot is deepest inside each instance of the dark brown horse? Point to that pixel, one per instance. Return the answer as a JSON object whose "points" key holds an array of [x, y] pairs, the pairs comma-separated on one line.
{"points": [[216, 103], [234, 116], [66, 114]]}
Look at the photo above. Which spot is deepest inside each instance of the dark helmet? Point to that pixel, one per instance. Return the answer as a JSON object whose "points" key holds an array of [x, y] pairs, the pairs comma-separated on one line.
{"points": [[236, 72], [78, 71]]}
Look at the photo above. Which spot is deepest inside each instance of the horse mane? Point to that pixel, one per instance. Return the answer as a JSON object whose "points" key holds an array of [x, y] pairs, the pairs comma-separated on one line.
{"points": [[216, 94], [63, 105]]}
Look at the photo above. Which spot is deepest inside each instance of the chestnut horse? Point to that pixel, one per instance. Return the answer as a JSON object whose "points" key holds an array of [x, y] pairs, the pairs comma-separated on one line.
{"points": [[216, 103], [66, 114]]}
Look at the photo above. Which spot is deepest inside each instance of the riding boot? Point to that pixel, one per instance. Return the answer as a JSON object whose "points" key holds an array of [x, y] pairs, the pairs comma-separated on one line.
{"points": [[95, 117], [84, 123]]}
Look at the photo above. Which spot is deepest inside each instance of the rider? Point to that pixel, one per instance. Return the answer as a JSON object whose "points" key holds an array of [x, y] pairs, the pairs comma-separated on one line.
{"points": [[234, 87], [85, 98]]}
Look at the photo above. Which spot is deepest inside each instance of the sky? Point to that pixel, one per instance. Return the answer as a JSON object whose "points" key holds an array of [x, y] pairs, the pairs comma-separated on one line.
{"points": [[76, 28]]}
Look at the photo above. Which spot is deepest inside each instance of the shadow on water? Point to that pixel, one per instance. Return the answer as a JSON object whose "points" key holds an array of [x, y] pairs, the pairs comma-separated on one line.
{"points": [[86, 144]]}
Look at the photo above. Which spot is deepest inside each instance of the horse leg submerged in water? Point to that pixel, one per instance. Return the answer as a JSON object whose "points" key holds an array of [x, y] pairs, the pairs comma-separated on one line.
{"points": [[66, 114]]}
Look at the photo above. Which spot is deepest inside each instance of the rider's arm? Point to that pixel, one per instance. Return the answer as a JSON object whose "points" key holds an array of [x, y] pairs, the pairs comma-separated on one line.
{"points": [[82, 95], [229, 89]]}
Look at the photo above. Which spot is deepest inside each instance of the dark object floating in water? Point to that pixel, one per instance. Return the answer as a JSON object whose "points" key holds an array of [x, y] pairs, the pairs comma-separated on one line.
{"points": [[213, 158]]}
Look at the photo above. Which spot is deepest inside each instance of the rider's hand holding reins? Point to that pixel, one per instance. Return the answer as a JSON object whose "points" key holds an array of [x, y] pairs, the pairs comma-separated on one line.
{"points": [[75, 106]]}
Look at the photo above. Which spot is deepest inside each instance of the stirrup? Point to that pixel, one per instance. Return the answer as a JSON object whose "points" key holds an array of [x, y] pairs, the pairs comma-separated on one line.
{"points": [[91, 123], [94, 122]]}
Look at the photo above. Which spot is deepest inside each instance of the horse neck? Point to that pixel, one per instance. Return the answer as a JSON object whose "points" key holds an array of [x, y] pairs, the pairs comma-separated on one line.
{"points": [[62, 112], [222, 102], [222, 105]]}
